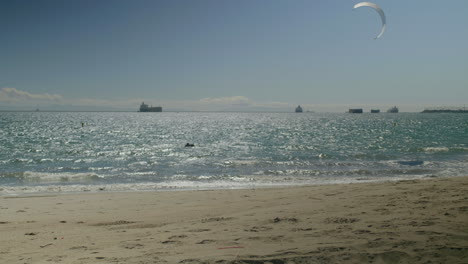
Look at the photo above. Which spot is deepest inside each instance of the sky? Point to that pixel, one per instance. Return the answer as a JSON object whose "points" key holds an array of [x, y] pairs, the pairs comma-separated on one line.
{"points": [[237, 55]]}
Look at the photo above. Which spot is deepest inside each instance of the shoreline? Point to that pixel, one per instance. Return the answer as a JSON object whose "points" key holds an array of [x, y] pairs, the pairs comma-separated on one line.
{"points": [[81, 188], [409, 221]]}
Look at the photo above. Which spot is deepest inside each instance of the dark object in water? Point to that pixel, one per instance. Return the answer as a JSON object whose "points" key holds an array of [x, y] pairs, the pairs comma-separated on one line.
{"points": [[145, 108], [393, 110], [189, 145], [411, 162], [355, 111]]}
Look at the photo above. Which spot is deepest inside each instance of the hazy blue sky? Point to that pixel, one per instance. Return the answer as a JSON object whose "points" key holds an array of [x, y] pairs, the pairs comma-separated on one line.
{"points": [[232, 55]]}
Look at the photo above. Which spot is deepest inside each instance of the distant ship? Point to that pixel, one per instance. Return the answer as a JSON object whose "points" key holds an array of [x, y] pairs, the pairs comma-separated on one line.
{"points": [[298, 109], [355, 111], [145, 108], [375, 111], [393, 110]]}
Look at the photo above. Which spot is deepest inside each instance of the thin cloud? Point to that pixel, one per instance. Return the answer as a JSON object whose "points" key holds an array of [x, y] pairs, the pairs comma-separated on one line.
{"points": [[10, 97], [233, 101], [242, 101], [15, 95]]}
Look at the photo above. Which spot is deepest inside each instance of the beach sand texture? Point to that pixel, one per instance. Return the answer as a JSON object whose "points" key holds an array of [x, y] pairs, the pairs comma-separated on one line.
{"points": [[417, 221]]}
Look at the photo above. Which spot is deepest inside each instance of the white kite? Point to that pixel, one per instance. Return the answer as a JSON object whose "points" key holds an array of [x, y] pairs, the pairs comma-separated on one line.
{"points": [[379, 10]]}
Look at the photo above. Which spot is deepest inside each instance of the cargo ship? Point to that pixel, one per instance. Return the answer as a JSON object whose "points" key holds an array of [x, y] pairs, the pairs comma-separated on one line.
{"points": [[355, 111], [393, 110], [145, 108]]}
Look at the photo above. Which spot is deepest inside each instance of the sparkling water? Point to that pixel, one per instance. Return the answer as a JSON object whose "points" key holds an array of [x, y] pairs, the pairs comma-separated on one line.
{"points": [[92, 151]]}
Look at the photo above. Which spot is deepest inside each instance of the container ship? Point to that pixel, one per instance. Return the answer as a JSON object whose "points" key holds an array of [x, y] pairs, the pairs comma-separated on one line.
{"points": [[355, 111]]}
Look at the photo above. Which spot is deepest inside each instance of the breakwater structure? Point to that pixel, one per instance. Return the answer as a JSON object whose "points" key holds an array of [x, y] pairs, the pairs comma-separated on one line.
{"points": [[461, 109]]}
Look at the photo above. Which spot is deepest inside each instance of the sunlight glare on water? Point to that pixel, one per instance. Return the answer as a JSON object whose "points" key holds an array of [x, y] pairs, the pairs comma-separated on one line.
{"points": [[44, 151]]}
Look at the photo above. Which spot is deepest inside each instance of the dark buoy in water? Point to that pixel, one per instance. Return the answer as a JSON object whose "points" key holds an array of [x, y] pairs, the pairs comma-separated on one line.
{"points": [[82, 124], [189, 145]]}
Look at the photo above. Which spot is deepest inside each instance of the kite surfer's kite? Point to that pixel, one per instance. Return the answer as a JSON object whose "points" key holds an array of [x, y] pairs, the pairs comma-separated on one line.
{"points": [[379, 10]]}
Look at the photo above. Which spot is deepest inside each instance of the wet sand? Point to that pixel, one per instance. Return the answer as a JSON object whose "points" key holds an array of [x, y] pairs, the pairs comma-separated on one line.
{"points": [[420, 221]]}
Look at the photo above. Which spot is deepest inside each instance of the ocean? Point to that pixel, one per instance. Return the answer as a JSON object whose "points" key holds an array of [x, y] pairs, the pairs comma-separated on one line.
{"points": [[64, 152]]}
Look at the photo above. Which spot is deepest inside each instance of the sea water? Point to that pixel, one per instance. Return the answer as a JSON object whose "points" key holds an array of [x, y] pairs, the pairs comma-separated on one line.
{"points": [[121, 151]]}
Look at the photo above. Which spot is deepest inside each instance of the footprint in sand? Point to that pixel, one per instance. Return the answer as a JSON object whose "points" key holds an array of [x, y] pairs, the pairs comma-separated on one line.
{"points": [[199, 230], [302, 229], [340, 220], [169, 242], [133, 246], [258, 229], [79, 247], [288, 220], [206, 241], [216, 219], [119, 222], [180, 236]]}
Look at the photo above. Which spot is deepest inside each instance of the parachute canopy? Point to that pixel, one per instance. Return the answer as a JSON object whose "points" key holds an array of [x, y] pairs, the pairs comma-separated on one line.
{"points": [[379, 10]]}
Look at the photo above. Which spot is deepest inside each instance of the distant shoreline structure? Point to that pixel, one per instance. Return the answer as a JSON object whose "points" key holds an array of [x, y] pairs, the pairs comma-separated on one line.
{"points": [[445, 110]]}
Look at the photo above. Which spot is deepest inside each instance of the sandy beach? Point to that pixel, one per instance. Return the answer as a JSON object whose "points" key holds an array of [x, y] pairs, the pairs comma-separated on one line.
{"points": [[417, 221]]}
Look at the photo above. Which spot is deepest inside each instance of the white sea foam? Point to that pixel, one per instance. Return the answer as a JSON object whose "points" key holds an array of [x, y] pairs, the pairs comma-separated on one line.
{"points": [[138, 164], [436, 149], [234, 163], [100, 168], [238, 183], [31, 176], [24, 160]]}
